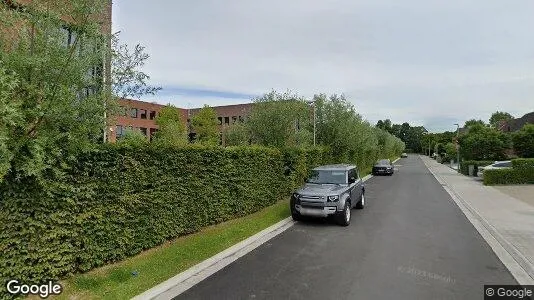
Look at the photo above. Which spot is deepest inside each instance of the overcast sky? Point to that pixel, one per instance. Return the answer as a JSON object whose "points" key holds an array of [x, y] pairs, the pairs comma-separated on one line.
{"points": [[430, 63]]}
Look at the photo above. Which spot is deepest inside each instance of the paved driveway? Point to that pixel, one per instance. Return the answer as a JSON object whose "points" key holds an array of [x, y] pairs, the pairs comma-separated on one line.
{"points": [[524, 193], [410, 242]]}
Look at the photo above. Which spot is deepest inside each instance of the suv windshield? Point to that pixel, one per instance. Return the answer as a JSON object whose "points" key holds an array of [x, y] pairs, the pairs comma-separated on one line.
{"points": [[328, 176]]}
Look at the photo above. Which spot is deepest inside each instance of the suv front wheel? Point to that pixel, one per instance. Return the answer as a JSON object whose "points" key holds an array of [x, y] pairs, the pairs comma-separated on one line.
{"points": [[343, 218], [361, 203]]}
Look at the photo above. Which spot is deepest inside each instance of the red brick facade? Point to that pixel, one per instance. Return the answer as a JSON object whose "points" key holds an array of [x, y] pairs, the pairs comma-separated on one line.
{"points": [[141, 115]]}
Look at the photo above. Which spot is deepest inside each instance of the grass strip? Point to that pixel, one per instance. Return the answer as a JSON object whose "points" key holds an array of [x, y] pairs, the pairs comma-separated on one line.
{"points": [[137, 274]]}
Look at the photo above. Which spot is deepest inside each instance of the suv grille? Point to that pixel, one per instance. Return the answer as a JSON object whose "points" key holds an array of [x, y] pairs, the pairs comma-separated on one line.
{"points": [[318, 205], [304, 198]]}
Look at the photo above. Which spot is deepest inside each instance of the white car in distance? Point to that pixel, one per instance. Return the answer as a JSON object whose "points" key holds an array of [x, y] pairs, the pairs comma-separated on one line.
{"points": [[503, 164]]}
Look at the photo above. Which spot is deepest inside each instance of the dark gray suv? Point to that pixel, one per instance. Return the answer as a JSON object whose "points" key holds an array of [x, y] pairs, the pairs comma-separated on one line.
{"points": [[331, 190]]}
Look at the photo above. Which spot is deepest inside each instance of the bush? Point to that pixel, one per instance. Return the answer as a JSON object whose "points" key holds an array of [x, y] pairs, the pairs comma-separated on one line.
{"points": [[501, 176], [464, 165], [525, 169], [523, 141], [117, 201], [483, 143], [522, 172], [299, 162]]}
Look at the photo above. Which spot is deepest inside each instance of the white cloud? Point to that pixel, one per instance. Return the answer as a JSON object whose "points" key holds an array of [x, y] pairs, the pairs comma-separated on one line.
{"points": [[431, 56]]}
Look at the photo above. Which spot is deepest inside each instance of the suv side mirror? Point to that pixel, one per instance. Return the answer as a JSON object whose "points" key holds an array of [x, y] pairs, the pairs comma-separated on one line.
{"points": [[352, 180]]}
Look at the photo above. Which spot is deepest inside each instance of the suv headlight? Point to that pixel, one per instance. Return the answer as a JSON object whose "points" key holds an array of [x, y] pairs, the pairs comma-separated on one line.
{"points": [[333, 198], [296, 196]]}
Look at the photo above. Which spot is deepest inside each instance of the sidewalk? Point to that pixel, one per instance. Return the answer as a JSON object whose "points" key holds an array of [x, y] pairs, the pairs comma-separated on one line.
{"points": [[508, 220]]}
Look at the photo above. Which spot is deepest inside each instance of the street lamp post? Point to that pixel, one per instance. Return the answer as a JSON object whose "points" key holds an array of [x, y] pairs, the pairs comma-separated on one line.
{"points": [[457, 147], [429, 141], [314, 122]]}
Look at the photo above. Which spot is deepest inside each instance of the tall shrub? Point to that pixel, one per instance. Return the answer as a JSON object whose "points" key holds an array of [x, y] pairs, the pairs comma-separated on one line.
{"points": [[114, 202], [523, 141]]}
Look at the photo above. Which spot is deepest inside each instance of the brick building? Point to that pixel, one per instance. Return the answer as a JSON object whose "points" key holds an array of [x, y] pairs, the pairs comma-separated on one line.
{"points": [[140, 115]]}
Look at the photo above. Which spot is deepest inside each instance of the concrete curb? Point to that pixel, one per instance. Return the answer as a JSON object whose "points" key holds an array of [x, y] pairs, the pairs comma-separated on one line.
{"points": [[518, 265], [190, 277], [187, 279]]}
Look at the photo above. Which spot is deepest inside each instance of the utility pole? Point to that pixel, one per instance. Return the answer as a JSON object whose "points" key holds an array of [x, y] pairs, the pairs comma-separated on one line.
{"points": [[314, 125]]}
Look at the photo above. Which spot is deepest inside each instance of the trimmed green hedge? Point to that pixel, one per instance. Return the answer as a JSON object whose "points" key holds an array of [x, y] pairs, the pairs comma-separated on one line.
{"points": [[522, 172], [464, 165], [116, 202]]}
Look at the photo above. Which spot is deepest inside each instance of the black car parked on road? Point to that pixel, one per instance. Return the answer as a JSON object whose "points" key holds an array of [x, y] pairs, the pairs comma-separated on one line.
{"points": [[383, 166]]}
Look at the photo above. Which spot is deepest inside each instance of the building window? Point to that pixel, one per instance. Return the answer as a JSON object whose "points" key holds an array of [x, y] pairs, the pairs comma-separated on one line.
{"points": [[234, 119], [142, 113], [152, 133], [133, 113], [119, 131], [220, 120], [152, 115], [143, 130], [226, 120], [241, 119]]}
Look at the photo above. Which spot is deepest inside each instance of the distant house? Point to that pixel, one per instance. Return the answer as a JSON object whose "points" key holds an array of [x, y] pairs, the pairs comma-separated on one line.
{"points": [[516, 124]]}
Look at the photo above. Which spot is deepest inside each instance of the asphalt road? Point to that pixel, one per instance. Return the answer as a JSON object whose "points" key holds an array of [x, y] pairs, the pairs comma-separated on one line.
{"points": [[410, 242]]}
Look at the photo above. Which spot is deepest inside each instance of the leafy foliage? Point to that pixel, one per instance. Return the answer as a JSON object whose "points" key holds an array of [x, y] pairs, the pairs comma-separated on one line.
{"points": [[171, 131], [127, 79], [236, 135], [499, 116], [523, 141], [55, 108], [133, 138], [472, 122], [116, 201], [483, 143], [204, 124], [450, 152], [276, 120], [413, 137], [522, 172], [350, 138], [10, 117]]}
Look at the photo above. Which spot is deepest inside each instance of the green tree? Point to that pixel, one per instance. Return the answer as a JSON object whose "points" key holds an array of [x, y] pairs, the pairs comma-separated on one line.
{"points": [[385, 125], [171, 131], [439, 149], [59, 93], [277, 120], [133, 139], [127, 78], [483, 143], [450, 151], [472, 122], [55, 109], [498, 117], [352, 139], [523, 141], [236, 135], [204, 124]]}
